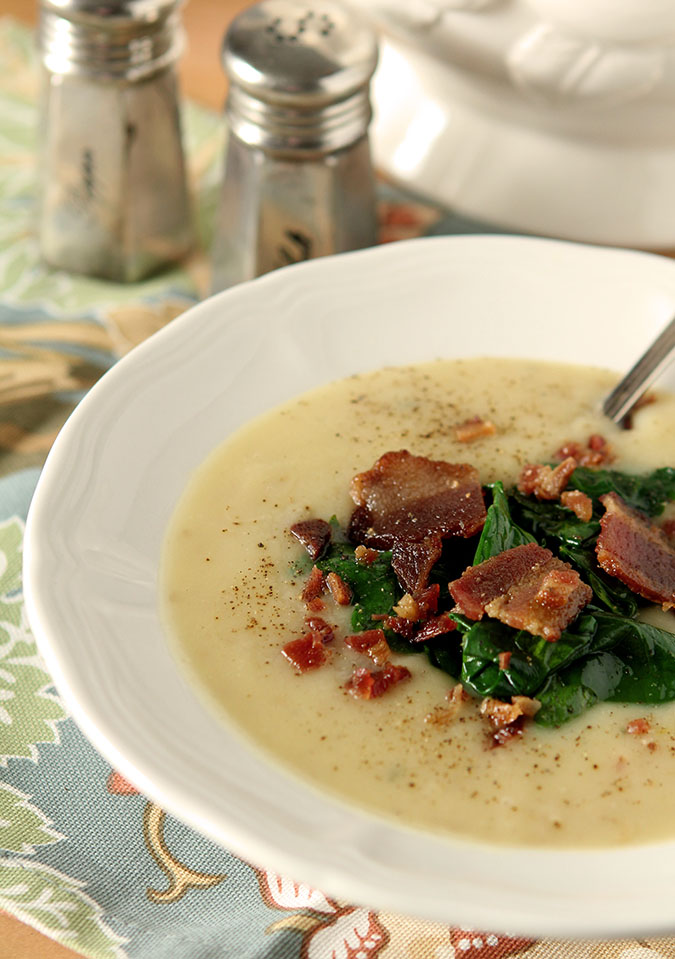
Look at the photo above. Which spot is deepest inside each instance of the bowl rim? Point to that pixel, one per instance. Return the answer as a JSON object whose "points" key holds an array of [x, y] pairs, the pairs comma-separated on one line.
{"points": [[62, 555]]}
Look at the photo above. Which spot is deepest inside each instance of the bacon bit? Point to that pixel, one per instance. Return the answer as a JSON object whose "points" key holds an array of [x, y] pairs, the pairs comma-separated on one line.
{"points": [[457, 694], [596, 452], [443, 715], [402, 627], [371, 642], [420, 607], [580, 504], [544, 482], [379, 652], [314, 534], [412, 562], [306, 653], [500, 737], [362, 642], [339, 590], [427, 600], [642, 727], [636, 551], [364, 555], [315, 605], [406, 498], [526, 587], [529, 707], [365, 684], [500, 713], [505, 659], [556, 588], [407, 607], [314, 587], [473, 429], [320, 626], [508, 719], [436, 626]]}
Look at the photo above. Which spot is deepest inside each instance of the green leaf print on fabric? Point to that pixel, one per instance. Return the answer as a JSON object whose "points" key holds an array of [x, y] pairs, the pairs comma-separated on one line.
{"points": [[45, 898], [22, 825], [29, 710], [56, 905]]}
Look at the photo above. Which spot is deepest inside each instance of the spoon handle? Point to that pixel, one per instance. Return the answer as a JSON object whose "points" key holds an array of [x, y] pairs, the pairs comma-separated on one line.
{"points": [[628, 391]]}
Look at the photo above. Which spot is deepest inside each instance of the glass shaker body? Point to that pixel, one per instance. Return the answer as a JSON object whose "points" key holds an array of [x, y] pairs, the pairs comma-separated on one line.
{"points": [[114, 195], [114, 198], [298, 180], [277, 210]]}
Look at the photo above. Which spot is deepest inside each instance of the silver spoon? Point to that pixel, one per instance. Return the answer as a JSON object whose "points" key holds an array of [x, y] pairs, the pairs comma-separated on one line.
{"points": [[634, 384]]}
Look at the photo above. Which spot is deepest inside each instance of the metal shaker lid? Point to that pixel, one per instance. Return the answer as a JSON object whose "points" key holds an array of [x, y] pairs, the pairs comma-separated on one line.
{"points": [[111, 11], [299, 73], [114, 39], [306, 52]]}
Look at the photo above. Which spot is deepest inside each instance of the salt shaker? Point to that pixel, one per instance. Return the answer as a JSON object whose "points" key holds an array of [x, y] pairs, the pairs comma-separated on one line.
{"points": [[114, 197], [298, 181]]}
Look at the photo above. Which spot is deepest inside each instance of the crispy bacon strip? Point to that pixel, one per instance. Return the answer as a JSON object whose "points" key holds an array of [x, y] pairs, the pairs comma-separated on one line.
{"points": [[636, 551], [365, 684], [406, 498], [526, 587], [314, 534]]}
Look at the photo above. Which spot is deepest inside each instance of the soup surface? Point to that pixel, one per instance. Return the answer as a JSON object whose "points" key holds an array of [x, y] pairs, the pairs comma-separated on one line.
{"points": [[231, 601]]}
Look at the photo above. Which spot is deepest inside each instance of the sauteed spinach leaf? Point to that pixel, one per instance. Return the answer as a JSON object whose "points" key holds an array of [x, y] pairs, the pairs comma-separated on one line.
{"points": [[374, 586], [648, 493]]}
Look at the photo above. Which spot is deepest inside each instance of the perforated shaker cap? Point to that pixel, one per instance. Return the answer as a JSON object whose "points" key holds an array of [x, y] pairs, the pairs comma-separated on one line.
{"points": [[294, 64]]}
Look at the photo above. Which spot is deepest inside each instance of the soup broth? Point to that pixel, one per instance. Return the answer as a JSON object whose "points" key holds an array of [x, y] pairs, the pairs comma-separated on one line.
{"points": [[231, 601]]}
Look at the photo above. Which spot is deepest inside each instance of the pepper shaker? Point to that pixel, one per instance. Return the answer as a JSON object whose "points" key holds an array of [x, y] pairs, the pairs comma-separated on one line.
{"points": [[114, 197], [298, 181]]}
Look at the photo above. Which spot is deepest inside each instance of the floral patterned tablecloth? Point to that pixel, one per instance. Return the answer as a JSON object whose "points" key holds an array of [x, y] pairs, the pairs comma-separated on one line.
{"points": [[84, 857]]}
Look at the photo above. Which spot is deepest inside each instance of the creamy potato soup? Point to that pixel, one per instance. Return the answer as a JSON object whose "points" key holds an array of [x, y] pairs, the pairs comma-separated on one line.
{"points": [[231, 601]]}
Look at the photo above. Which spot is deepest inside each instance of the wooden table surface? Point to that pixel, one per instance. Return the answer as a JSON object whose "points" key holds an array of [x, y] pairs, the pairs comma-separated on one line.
{"points": [[203, 81]]}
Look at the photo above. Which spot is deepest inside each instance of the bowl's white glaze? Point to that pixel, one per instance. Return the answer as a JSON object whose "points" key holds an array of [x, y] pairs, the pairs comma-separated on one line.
{"points": [[550, 116]]}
